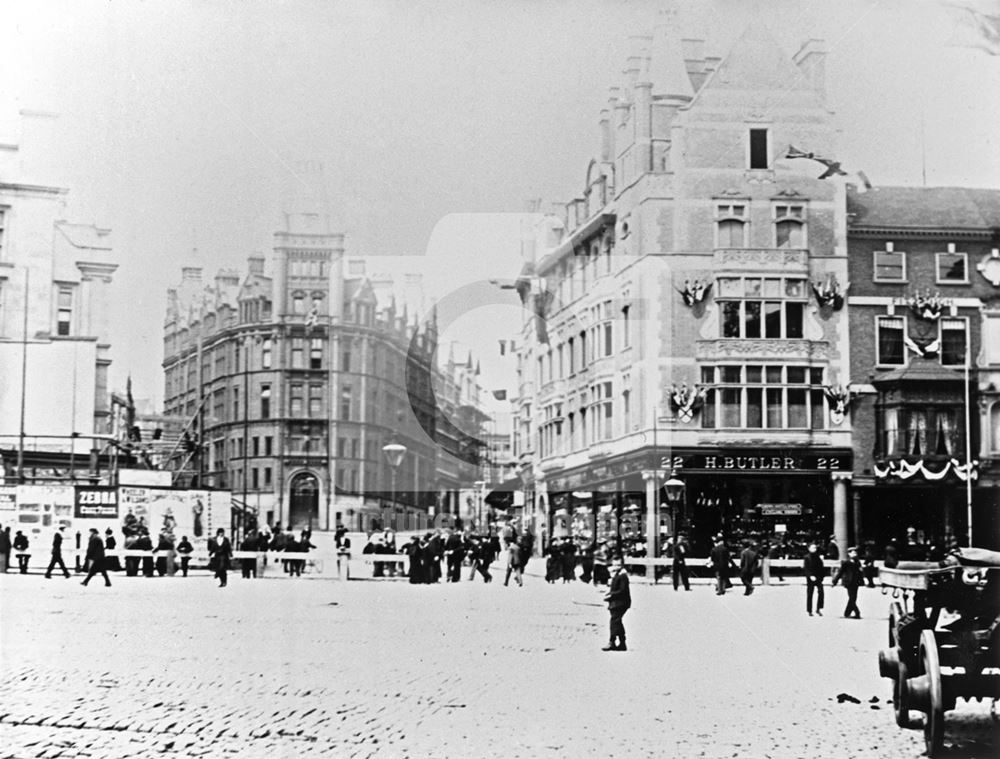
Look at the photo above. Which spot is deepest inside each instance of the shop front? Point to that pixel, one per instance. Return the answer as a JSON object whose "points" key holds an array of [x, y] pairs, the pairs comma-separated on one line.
{"points": [[790, 496]]}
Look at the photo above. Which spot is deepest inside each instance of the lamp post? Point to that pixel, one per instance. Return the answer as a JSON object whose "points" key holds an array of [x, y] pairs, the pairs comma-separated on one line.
{"points": [[394, 453], [675, 496], [480, 485]]}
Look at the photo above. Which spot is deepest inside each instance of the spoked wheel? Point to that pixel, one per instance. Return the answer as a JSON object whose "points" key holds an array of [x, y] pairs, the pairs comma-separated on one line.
{"points": [[934, 719], [895, 614]]}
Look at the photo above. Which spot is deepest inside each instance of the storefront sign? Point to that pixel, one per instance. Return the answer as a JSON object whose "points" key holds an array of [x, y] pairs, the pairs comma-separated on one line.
{"points": [[96, 503], [753, 461], [781, 509]]}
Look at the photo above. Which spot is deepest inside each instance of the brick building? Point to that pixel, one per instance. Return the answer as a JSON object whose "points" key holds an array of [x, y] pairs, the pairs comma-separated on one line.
{"points": [[678, 328], [925, 287]]}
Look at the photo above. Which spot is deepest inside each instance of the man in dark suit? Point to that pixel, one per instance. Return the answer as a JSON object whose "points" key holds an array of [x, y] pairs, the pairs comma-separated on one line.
{"points": [[57, 559], [814, 570], [221, 550], [619, 600], [849, 572], [720, 560], [184, 548], [748, 566], [95, 555], [454, 550], [680, 570]]}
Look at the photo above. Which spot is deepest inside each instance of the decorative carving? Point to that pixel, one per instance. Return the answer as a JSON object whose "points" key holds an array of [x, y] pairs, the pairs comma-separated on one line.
{"points": [[840, 401], [828, 292], [723, 348], [765, 258], [989, 267], [694, 291], [687, 400]]}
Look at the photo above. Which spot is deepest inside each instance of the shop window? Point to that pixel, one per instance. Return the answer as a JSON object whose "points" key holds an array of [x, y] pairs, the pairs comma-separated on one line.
{"points": [[890, 265], [952, 267], [889, 342], [953, 337]]}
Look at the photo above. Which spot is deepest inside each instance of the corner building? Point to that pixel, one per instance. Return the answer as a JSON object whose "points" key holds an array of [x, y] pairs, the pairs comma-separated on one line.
{"points": [[292, 381], [676, 327]]}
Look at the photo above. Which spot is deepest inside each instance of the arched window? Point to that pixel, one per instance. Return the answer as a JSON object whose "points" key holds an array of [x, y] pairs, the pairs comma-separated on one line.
{"points": [[730, 225], [789, 226]]}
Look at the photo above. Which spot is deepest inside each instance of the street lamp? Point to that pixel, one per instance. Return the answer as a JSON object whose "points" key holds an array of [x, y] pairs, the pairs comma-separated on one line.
{"points": [[394, 453], [674, 488], [480, 486]]}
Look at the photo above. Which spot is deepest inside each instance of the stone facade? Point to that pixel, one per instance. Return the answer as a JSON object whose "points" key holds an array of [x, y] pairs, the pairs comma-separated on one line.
{"points": [[55, 289]]}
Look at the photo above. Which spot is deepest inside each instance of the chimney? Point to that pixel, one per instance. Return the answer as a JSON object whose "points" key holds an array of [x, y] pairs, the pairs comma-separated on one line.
{"points": [[694, 61], [191, 274], [227, 277], [811, 60], [255, 264]]}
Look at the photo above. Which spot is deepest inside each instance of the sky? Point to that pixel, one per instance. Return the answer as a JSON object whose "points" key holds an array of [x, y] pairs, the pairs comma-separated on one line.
{"points": [[181, 122]]}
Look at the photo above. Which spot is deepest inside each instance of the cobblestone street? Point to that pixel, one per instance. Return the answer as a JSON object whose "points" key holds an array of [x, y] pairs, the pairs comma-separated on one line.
{"points": [[284, 668]]}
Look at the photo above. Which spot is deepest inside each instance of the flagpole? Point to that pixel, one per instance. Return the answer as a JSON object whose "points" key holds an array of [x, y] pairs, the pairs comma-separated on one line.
{"points": [[968, 433], [24, 379]]}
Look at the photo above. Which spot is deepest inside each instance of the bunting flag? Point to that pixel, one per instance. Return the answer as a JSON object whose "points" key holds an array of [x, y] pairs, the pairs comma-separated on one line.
{"points": [[904, 470], [975, 29], [313, 318], [500, 395], [927, 349], [542, 301], [503, 347]]}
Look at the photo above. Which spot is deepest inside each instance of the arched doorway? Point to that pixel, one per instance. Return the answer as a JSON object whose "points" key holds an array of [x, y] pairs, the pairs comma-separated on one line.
{"points": [[303, 511]]}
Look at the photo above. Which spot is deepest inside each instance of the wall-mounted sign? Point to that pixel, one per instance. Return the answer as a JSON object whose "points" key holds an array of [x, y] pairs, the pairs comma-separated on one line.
{"points": [[96, 503], [780, 509]]}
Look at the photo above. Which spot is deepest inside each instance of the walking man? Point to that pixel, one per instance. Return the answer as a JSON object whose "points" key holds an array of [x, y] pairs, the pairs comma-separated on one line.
{"points": [[619, 600], [849, 572], [221, 549], [184, 548], [748, 566], [812, 564], [57, 559], [720, 560], [95, 555], [680, 570], [513, 563]]}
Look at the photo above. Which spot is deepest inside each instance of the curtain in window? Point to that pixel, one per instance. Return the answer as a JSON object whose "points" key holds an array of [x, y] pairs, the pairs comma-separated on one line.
{"points": [[891, 417], [947, 433], [917, 430]]}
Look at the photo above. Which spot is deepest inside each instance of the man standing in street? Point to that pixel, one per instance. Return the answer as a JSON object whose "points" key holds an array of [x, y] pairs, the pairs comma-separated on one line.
{"points": [[57, 559], [849, 572], [21, 546], [95, 555], [720, 561], [5, 548], [184, 548], [814, 570], [619, 600], [454, 551], [680, 570], [221, 550], [748, 566]]}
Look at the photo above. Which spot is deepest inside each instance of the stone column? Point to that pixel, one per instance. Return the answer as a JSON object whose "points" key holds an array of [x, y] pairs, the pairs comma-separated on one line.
{"points": [[840, 480], [652, 478]]}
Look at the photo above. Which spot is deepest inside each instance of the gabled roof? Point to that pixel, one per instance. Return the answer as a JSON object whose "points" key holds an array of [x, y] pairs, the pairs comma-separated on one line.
{"points": [[757, 62], [924, 208]]}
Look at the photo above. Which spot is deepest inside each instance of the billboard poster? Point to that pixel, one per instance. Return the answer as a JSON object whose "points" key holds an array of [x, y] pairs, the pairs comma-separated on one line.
{"points": [[8, 500], [94, 502], [195, 514], [41, 509]]}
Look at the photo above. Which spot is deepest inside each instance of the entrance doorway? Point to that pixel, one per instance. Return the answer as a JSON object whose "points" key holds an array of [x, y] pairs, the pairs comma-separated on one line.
{"points": [[303, 512]]}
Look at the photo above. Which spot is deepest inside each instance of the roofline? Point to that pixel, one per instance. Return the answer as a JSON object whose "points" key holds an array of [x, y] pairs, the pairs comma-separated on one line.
{"points": [[985, 233]]}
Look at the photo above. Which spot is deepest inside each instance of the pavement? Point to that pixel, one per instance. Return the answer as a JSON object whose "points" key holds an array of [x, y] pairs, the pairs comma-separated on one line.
{"points": [[285, 668]]}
